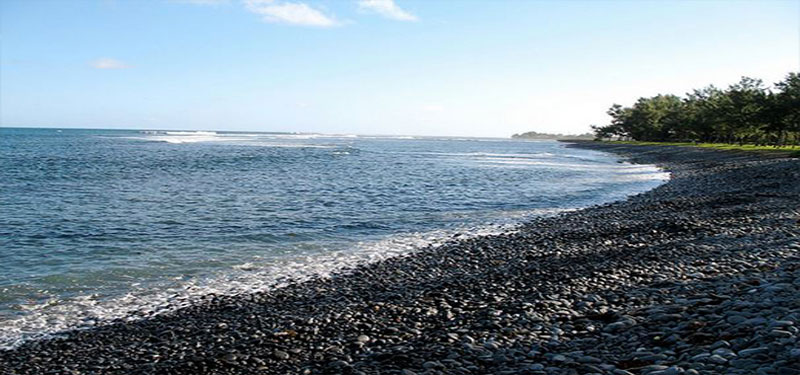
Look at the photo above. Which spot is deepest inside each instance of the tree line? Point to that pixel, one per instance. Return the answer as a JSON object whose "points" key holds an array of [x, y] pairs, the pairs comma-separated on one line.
{"points": [[746, 112]]}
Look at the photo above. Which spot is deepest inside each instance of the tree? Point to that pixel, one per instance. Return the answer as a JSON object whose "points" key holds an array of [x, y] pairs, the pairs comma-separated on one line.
{"points": [[787, 104], [742, 106], [702, 113], [745, 112]]}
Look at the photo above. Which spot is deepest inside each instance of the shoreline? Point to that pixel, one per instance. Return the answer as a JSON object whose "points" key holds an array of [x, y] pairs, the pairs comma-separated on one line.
{"points": [[647, 285]]}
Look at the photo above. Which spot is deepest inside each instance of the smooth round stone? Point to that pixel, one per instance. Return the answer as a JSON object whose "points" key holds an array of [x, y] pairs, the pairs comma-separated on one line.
{"points": [[716, 358], [752, 351], [279, 354], [735, 319]]}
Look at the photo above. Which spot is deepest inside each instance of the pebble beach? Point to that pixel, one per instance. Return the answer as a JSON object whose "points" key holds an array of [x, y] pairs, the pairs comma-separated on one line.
{"points": [[698, 276]]}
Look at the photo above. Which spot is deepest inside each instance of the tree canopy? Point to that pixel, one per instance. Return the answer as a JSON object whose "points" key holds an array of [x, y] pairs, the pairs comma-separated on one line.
{"points": [[745, 112]]}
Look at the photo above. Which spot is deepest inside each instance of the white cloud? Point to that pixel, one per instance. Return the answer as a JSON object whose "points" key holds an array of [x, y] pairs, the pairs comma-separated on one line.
{"points": [[108, 63], [292, 13], [386, 8]]}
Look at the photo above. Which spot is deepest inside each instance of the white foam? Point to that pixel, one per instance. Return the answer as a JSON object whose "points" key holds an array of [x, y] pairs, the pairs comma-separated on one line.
{"points": [[182, 136], [189, 139], [285, 140], [233, 138], [478, 155], [386, 137], [192, 133], [618, 172], [307, 136]]}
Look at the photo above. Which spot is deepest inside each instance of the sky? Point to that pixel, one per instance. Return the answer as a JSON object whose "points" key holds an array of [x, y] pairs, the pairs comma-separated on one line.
{"points": [[399, 67]]}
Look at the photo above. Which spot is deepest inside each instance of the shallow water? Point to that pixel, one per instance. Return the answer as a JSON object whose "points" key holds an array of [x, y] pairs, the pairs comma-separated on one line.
{"points": [[104, 224]]}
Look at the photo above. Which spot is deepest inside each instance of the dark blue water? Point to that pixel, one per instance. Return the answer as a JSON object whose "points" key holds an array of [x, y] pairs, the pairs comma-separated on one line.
{"points": [[96, 224]]}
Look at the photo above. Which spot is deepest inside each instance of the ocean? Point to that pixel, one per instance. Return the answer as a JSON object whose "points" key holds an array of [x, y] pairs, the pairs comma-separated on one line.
{"points": [[98, 225]]}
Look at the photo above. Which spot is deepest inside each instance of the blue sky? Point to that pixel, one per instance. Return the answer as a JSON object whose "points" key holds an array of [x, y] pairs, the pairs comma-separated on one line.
{"points": [[444, 67]]}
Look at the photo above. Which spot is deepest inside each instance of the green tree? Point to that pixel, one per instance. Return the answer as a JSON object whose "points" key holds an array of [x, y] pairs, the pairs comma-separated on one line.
{"points": [[787, 105], [745, 112], [703, 113], [742, 105], [656, 119]]}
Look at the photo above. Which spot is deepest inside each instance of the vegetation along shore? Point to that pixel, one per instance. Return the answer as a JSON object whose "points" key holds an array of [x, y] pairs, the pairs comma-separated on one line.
{"points": [[699, 276], [747, 112]]}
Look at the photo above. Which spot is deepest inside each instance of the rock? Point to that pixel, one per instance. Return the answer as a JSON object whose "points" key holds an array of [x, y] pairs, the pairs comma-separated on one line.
{"points": [[229, 358], [752, 351], [281, 355], [743, 363], [619, 326], [780, 334], [672, 370], [724, 352], [788, 371], [716, 358], [757, 321], [653, 368], [588, 359], [735, 319]]}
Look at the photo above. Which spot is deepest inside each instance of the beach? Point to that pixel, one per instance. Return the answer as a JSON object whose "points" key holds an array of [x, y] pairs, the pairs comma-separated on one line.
{"points": [[698, 276]]}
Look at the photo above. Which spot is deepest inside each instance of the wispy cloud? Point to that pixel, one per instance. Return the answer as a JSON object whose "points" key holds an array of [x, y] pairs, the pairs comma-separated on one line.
{"points": [[386, 8], [292, 13], [108, 63]]}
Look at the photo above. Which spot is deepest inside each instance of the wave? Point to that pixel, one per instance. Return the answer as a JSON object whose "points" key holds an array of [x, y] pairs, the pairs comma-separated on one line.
{"points": [[386, 137], [232, 138], [191, 133], [256, 139], [186, 139], [289, 136], [534, 155]]}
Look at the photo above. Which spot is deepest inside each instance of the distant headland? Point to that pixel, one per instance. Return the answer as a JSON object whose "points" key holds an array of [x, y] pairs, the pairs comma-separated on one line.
{"points": [[537, 135]]}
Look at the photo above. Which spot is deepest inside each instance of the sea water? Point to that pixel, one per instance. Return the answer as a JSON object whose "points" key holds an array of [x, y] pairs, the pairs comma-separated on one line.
{"points": [[97, 225]]}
